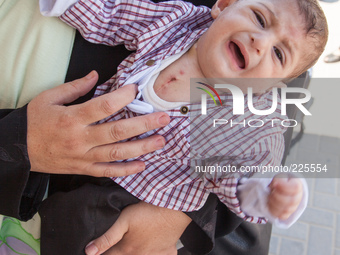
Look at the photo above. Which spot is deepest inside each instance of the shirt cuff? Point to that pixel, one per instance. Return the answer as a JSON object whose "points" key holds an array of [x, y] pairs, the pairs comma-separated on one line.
{"points": [[253, 195]]}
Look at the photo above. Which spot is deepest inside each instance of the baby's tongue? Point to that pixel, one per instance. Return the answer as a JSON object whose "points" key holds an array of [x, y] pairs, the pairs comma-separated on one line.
{"points": [[237, 55]]}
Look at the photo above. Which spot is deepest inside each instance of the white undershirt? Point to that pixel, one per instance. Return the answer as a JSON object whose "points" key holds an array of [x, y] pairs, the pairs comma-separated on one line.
{"points": [[151, 102], [149, 94]]}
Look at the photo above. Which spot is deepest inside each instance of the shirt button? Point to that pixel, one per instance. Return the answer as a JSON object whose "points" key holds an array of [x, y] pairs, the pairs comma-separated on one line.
{"points": [[184, 109], [150, 62]]}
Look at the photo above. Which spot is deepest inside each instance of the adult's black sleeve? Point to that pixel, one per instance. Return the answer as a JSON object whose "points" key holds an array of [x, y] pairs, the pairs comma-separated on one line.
{"points": [[215, 230], [21, 191], [213, 220]]}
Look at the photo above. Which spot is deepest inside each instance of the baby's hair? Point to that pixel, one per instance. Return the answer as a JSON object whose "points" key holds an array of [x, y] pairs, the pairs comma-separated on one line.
{"points": [[316, 31]]}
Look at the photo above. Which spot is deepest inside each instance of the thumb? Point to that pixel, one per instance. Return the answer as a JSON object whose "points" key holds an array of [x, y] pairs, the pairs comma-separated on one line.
{"points": [[68, 92], [108, 239]]}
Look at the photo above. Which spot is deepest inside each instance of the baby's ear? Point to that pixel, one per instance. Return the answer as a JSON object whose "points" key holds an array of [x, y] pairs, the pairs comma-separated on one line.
{"points": [[219, 6]]}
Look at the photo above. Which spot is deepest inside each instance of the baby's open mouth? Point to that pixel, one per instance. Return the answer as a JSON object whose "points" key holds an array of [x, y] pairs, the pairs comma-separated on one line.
{"points": [[236, 51]]}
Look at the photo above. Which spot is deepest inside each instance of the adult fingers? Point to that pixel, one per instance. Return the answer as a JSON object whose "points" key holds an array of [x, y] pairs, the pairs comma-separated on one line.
{"points": [[126, 150], [68, 92], [115, 169], [103, 106], [122, 129], [108, 239]]}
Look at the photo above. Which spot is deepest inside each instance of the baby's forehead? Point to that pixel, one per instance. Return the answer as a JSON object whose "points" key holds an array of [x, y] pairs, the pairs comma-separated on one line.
{"points": [[280, 11], [289, 25], [278, 7], [303, 52], [278, 3], [286, 22]]}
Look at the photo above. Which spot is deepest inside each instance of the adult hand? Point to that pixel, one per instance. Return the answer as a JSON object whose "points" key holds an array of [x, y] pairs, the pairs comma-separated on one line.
{"points": [[142, 229], [63, 140]]}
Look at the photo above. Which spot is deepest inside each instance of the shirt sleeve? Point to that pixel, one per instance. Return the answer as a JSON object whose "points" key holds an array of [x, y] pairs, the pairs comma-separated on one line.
{"points": [[21, 191], [253, 195]]}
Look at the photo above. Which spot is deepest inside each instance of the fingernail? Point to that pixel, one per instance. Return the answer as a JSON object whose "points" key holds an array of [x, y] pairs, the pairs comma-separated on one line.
{"points": [[134, 86], [91, 249], [164, 120], [90, 76], [160, 143]]}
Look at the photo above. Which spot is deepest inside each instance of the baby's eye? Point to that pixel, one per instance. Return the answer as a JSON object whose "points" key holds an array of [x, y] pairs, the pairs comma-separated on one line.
{"points": [[260, 19], [278, 54]]}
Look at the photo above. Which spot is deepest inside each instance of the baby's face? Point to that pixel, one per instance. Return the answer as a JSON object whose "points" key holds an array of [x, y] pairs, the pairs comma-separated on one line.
{"points": [[253, 39]]}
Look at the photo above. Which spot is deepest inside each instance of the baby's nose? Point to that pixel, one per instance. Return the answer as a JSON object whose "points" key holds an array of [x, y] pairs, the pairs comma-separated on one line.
{"points": [[260, 42]]}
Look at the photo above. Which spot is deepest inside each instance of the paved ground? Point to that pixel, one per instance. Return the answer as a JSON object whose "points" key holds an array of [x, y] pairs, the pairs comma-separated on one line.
{"points": [[318, 230]]}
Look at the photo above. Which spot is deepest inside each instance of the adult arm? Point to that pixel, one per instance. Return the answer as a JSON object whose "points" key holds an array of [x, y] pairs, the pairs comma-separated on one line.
{"points": [[147, 227]]}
